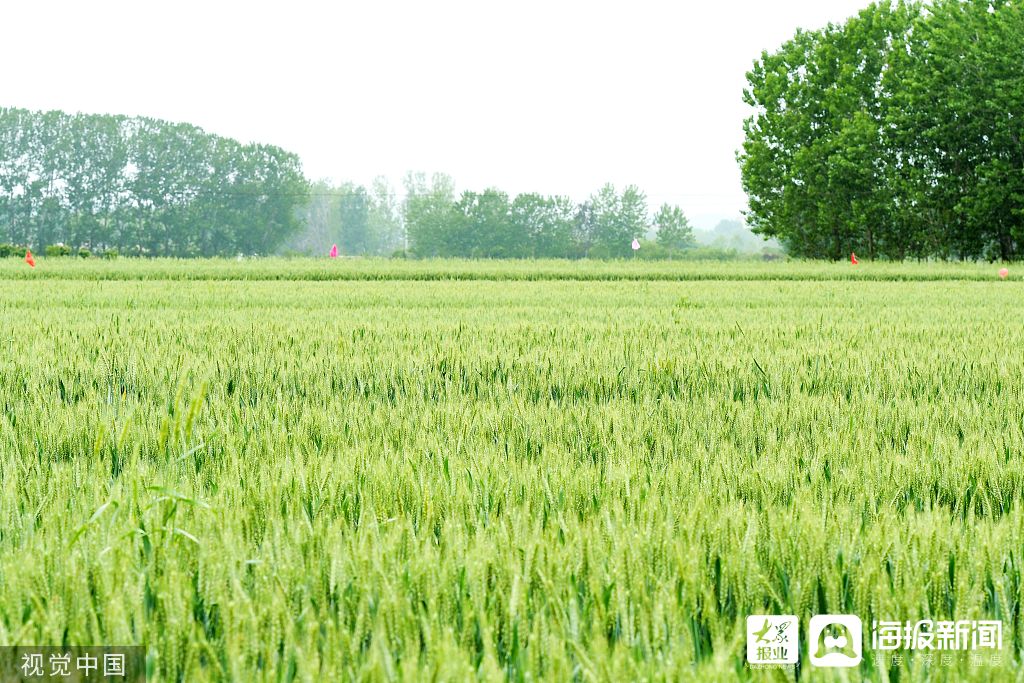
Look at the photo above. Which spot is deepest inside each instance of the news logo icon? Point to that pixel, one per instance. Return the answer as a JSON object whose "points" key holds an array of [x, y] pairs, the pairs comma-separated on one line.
{"points": [[835, 640], [773, 639]]}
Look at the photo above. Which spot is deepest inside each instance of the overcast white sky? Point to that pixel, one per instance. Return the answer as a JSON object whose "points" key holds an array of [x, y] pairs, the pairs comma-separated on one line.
{"points": [[555, 97]]}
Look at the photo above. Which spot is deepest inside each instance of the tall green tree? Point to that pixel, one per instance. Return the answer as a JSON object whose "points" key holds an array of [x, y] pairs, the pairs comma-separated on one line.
{"points": [[895, 134], [673, 229], [354, 213], [142, 185], [546, 224], [962, 127], [431, 219], [486, 227], [814, 161], [385, 220], [615, 220]]}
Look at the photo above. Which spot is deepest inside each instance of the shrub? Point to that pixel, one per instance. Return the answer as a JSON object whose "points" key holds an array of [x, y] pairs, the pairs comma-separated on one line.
{"points": [[57, 250], [656, 250]]}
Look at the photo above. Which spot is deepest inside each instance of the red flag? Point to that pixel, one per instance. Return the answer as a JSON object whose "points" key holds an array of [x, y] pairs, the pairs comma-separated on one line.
{"points": [[28, 258], [853, 258]]}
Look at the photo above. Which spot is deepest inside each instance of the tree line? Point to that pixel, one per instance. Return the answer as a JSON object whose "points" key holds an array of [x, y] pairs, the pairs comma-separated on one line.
{"points": [[898, 134], [142, 186], [76, 183], [433, 220], [361, 221]]}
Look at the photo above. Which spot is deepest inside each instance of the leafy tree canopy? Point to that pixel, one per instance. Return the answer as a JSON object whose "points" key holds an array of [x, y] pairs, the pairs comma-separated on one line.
{"points": [[896, 134], [142, 186]]}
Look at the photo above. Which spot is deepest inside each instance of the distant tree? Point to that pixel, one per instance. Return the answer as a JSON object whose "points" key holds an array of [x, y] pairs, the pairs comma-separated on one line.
{"points": [[486, 227], [431, 220], [268, 187], [634, 212], [358, 220], [320, 220], [673, 229], [142, 186], [584, 227], [354, 214], [615, 220], [385, 221], [546, 224]]}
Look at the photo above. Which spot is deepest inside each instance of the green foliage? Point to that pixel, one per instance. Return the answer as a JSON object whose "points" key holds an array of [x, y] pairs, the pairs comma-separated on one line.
{"points": [[614, 220], [656, 251], [527, 476], [354, 212], [488, 225], [673, 229], [384, 220], [547, 225], [143, 186], [12, 250], [57, 250], [893, 135], [972, 51], [431, 219]]}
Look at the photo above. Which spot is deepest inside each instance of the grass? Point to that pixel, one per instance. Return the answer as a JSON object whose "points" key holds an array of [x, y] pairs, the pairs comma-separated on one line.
{"points": [[463, 269], [372, 470]]}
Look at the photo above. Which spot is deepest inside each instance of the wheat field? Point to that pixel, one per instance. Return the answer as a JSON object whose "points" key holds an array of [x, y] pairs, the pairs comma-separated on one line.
{"points": [[373, 470]]}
